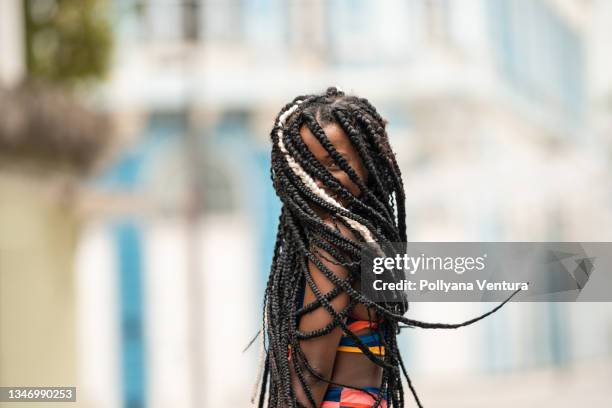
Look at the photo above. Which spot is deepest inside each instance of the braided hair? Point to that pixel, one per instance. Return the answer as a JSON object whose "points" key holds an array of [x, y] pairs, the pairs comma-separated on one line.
{"points": [[375, 216]]}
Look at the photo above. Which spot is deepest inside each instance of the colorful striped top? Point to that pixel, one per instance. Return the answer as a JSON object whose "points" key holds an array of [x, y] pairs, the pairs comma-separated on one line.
{"points": [[371, 339]]}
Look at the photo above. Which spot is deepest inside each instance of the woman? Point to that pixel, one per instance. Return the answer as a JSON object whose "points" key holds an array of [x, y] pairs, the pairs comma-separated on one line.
{"points": [[328, 345]]}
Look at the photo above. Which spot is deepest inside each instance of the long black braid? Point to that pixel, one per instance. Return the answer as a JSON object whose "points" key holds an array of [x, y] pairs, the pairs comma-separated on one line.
{"points": [[376, 215]]}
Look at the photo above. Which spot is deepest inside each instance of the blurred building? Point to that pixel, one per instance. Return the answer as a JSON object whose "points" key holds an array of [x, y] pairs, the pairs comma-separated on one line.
{"points": [[497, 111], [48, 142]]}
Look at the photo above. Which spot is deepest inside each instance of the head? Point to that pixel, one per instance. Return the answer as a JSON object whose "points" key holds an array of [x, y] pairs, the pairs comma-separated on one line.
{"points": [[341, 142], [331, 152]]}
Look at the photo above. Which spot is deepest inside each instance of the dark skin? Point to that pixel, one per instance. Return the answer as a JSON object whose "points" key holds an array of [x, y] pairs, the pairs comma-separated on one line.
{"points": [[353, 369]]}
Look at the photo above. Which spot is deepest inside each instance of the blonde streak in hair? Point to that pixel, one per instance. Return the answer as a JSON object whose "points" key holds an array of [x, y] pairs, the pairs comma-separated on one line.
{"points": [[310, 183]]}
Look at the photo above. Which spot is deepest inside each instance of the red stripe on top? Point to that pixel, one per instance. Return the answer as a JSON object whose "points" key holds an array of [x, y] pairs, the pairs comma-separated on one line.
{"points": [[362, 324]]}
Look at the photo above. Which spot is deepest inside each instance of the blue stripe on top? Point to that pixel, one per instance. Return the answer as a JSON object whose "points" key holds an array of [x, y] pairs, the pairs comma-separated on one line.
{"points": [[369, 340], [334, 393]]}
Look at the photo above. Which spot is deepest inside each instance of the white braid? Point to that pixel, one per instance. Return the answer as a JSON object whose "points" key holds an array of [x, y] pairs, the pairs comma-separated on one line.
{"points": [[310, 183]]}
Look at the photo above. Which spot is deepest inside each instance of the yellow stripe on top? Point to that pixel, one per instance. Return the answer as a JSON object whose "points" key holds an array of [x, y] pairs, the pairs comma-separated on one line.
{"points": [[376, 350]]}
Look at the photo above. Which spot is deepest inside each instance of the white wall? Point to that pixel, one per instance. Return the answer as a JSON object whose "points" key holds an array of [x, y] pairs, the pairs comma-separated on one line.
{"points": [[98, 355], [11, 42]]}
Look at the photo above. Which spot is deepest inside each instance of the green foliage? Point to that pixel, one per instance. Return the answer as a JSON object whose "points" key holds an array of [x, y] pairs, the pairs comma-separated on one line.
{"points": [[67, 41]]}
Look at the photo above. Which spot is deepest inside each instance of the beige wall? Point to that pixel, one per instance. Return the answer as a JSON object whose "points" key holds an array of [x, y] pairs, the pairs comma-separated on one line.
{"points": [[37, 322]]}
